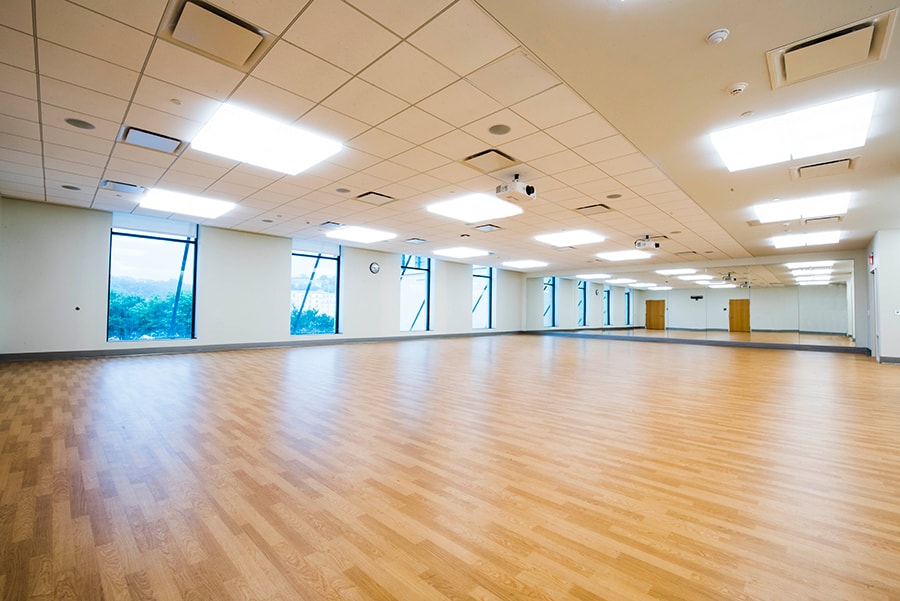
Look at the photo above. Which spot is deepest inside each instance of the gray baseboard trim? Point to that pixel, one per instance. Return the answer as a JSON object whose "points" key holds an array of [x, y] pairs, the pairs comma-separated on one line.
{"points": [[211, 348], [890, 360]]}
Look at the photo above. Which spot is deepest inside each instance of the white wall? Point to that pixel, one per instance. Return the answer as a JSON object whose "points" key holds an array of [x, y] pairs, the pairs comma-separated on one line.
{"points": [[823, 309], [451, 297], [566, 298], [534, 303], [617, 302], [774, 309], [509, 300], [241, 292], [886, 250]]}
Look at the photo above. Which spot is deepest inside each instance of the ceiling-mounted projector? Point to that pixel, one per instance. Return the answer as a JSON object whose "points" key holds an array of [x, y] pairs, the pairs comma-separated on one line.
{"points": [[516, 191], [645, 242]]}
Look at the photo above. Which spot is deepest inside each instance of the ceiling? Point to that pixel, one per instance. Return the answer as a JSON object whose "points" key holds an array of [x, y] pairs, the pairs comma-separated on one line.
{"points": [[606, 101]]}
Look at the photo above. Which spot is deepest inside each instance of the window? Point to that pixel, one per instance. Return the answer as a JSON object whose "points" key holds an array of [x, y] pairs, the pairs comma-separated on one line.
{"points": [[151, 286], [627, 306], [607, 308], [482, 296], [549, 302], [415, 280], [581, 306], [314, 298]]}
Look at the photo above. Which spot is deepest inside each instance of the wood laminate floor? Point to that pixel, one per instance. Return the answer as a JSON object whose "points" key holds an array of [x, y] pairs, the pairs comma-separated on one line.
{"points": [[492, 468]]}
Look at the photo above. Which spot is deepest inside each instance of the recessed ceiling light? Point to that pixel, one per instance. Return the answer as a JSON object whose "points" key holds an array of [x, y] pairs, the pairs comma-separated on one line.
{"points": [[499, 129], [621, 281], [624, 255], [268, 221], [461, 252], [816, 130], [245, 136], [70, 187], [613, 196], [80, 123], [473, 208], [803, 208], [158, 199], [660, 288], [592, 276], [342, 190], [809, 264], [695, 278], [684, 271], [524, 264], [363, 235], [795, 240], [570, 238]]}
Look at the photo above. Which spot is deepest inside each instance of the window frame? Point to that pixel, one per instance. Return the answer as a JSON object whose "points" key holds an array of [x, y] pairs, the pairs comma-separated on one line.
{"points": [[337, 287], [551, 283], [582, 305], [490, 295], [629, 317], [607, 307], [405, 259]]}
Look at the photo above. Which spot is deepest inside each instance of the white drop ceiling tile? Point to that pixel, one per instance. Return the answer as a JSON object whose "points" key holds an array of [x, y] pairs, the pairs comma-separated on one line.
{"points": [[16, 14], [552, 107], [365, 102], [380, 143], [559, 162], [390, 171], [401, 17], [332, 124], [198, 168], [456, 145], [357, 42], [454, 173], [415, 125], [18, 107], [518, 127], [532, 147], [297, 185], [175, 100], [162, 123], [329, 171], [75, 155], [420, 159], [463, 38], [142, 169], [181, 181], [655, 187], [300, 72], [12, 174], [460, 103], [582, 130], [62, 199], [602, 187], [423, 182], [86, 71], [69, 136], [186, 69], [513, 78], [625, 164], [365, 181], [17, 48], [83, 100], [252, 179], [145, 15], [228, 191], [674, 197], [354, 159], [581, 175], [54, 177], [408, 73], [55, 116], [272, 15], [123, 203], [644, 176], [19, 143], [18, 81], [74, 27], [606, 149], [24, 192], [270, 100]]}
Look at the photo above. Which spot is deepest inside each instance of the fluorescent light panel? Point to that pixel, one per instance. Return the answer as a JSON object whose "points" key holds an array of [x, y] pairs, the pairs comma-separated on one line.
{"points": [[593, 276], [184, 204], [621, 281], [474, 208], [812, 278], [821, 271], [803, 208], [816, 283], [249, 137], [363, 235], [684, 271], [660, 288], [624, 255], [524, 264], [461, 252], [808, 132], [723, 285], [809, 264], [795, 240], [695, 278], [570, 238]]}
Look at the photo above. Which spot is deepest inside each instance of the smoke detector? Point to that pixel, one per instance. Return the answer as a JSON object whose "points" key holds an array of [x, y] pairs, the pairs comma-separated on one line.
{"points": [[717, 37], [736, 89]]}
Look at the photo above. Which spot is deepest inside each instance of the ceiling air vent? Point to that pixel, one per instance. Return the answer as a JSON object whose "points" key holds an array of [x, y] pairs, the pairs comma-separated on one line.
{"points": [[150, 140], [833, 218], [594, 209], [814, 170], [214, 33], [488, 161], [109, 184], [375, 198], [847, 46]]}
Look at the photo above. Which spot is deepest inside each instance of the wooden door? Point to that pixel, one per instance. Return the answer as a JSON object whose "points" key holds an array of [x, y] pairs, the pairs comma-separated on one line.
{"points": [[656, 315], [739, 315]]}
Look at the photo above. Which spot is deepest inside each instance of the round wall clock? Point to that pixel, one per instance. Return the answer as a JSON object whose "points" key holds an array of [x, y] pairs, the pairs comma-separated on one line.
{"points": [[374, 267]]}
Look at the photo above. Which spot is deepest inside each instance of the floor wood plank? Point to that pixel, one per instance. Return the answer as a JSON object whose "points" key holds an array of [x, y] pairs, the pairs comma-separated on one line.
{"points": [[508, 467]]}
